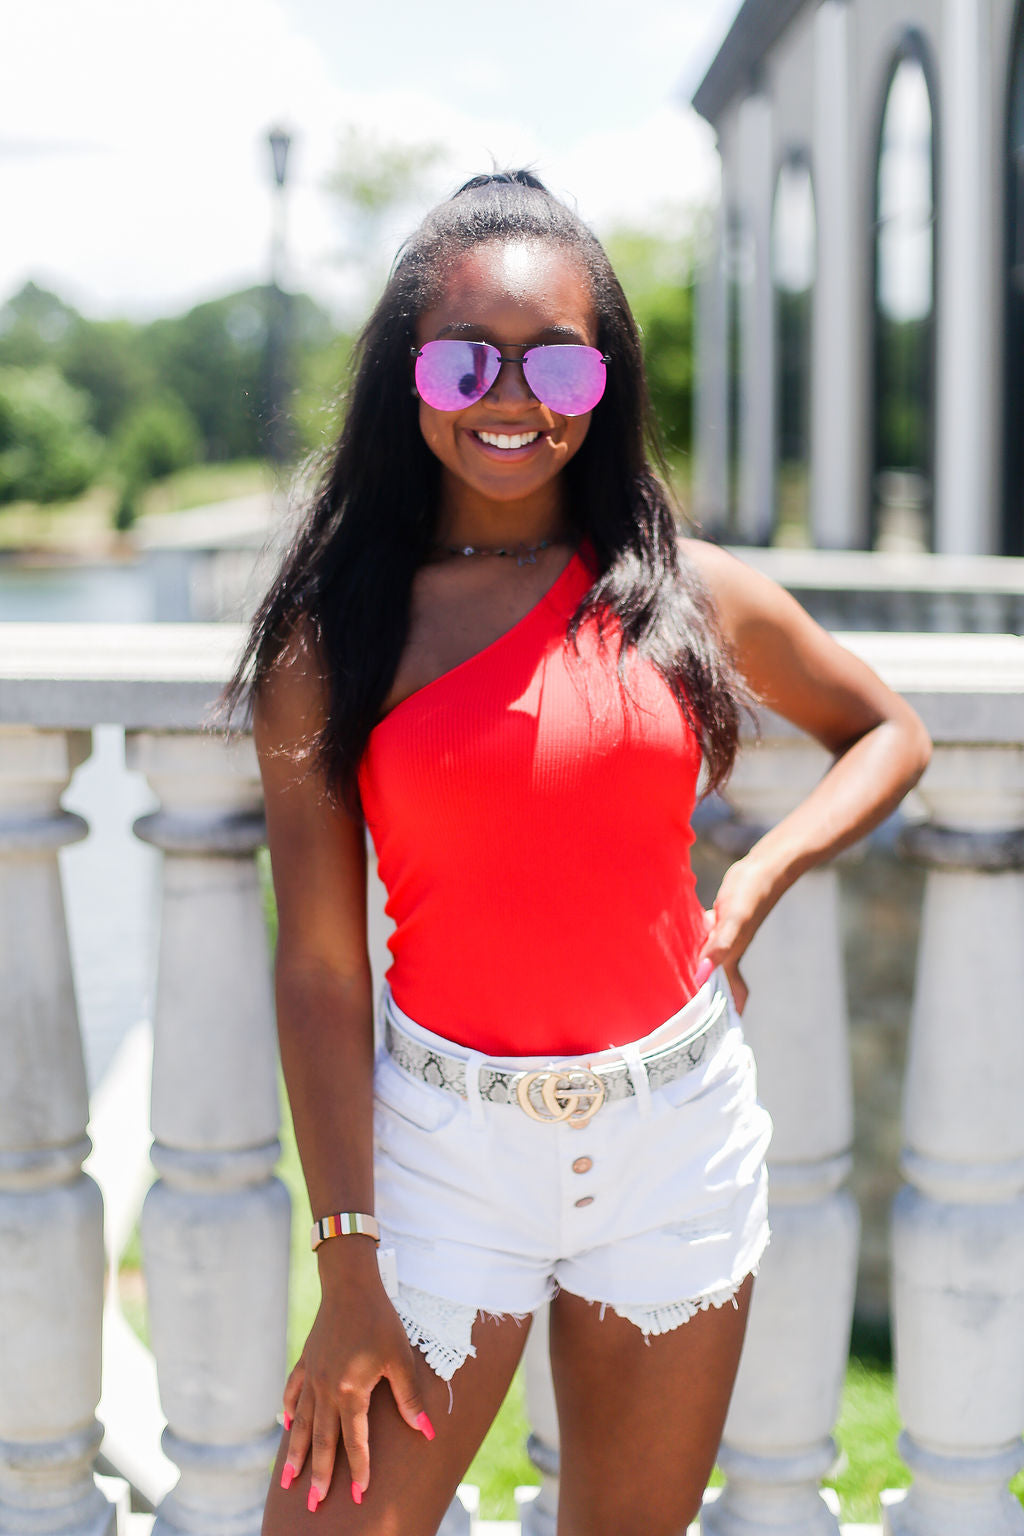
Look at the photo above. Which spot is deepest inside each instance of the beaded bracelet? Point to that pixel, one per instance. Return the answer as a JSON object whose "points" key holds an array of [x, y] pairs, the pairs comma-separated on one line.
{"points": [[343, 1224]]}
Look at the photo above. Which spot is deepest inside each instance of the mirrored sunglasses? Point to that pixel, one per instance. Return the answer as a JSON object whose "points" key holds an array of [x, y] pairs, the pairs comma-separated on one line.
{"points": [[453, 374]]}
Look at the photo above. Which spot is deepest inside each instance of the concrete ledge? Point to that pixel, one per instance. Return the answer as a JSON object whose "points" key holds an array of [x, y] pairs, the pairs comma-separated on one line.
{"points": [[142, 676], [968, 687]]}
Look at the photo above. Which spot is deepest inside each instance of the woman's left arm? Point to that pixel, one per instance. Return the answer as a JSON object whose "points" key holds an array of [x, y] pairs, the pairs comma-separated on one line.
{"points": [[879, 744]]}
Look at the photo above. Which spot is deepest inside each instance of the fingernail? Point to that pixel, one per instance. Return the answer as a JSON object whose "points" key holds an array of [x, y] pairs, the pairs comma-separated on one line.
{"points": [[357, 1494], [288, 1475], [702, 972], [287, 1419], [313, 1500], [425, 1426]]}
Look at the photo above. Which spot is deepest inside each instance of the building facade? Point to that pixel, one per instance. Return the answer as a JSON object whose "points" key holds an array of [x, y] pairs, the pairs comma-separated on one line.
{"points": [[861, 314]]}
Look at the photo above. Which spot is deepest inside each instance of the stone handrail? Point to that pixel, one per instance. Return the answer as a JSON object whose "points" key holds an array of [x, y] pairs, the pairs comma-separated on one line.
{"points": [[215, 1223], [848, 589]]}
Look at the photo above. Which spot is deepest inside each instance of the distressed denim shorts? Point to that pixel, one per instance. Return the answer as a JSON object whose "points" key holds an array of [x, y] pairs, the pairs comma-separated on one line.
{"points": [[656, 1206]]}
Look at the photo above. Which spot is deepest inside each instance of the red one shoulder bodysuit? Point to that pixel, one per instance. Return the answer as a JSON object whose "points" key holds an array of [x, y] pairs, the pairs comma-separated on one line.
{"points": [[532, 825]]}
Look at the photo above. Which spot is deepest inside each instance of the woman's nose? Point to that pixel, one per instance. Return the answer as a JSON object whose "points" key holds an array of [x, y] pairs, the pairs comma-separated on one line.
{"points": [[510, 387]]}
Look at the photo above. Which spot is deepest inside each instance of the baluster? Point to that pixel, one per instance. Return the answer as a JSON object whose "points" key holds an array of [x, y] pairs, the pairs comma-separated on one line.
{"points": [[51, 1213], [958, 1223], [778, 1443], [215, 1225]]}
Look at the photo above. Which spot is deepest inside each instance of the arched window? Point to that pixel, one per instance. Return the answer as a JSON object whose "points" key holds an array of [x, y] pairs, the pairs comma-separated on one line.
{"points": [[904, 394], [1013, 428], [794, 255]]}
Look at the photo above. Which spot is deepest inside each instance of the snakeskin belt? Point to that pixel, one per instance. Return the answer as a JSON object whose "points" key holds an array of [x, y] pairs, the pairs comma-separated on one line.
{"points": [[566, 1092]]}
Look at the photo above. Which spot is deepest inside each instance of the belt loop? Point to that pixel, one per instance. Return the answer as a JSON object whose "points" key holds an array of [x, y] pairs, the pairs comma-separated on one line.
{"points": [[638, 1074], [474, 1061]]}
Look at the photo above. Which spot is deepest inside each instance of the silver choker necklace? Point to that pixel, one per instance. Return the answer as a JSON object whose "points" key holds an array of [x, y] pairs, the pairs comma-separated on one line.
{"points": [[525, 554]]}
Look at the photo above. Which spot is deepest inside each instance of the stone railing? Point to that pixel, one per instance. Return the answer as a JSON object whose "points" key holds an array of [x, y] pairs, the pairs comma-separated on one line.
{"points": [[847, 589], [215, 1223]]}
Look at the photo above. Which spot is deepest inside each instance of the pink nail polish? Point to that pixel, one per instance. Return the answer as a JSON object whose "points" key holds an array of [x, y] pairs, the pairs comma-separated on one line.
{"points": [[425, 1426], [702, 972], [287, 1419], [313, 1500], [288, 1475], [357, 1493]]}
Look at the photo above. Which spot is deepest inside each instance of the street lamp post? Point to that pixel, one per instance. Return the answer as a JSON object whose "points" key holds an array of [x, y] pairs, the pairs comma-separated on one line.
{"points": [[278, 435]]}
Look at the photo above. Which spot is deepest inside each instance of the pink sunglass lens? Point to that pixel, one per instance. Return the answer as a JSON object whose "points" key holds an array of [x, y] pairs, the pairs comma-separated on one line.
{"points": [[569, 379], [453, 374]]}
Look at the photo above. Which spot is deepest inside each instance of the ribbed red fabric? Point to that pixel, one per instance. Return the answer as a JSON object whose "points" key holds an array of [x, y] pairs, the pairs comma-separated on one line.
{"points": [[532, 826]]}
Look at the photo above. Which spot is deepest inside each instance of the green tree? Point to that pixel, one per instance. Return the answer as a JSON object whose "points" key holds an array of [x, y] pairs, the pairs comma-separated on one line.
{"points": [[214, 360], [34, 324], [106, 359], [157, 438], [211, 358], [48, 452]]}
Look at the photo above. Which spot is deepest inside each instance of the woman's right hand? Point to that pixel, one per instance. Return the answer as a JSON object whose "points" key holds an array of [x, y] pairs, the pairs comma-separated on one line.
{"points": [[356, 1341]]}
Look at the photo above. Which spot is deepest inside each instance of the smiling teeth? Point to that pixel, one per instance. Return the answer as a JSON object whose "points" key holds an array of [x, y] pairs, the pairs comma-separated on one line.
{"points": [[503, 440]]}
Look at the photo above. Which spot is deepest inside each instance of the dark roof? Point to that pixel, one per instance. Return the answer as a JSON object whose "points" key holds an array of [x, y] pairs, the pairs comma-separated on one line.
{"points": [[758, 23]]}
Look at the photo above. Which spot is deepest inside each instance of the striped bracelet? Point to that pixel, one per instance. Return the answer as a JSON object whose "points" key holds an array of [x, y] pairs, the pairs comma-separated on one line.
{"points": [[343, 1224]]}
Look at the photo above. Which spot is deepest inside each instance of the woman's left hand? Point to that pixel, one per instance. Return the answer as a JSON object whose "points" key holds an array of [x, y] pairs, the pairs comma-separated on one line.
{"points": [[744, 897]]}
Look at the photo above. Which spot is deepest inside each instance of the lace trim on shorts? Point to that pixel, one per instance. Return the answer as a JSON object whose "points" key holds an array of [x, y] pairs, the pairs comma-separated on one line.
{"points": [[655, 1320], [441, 1329]]}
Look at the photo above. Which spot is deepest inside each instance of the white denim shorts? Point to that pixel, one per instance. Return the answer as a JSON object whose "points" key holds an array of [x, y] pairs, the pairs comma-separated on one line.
{"points": [[657, 1206]]}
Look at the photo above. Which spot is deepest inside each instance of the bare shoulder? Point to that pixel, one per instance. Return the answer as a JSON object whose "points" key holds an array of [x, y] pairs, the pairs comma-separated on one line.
{"points": [[743, 597]]}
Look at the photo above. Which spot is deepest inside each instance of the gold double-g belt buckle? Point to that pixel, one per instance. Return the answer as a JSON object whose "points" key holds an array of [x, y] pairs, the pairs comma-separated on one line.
{"points": [[572, 1094]]}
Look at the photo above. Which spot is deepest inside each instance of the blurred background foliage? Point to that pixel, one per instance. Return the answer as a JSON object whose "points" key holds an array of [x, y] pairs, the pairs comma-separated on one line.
{"points": [[82, 399]]}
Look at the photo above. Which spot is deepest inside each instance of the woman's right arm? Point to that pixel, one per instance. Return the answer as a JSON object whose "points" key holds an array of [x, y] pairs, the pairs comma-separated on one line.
{"points": [[325, 1028]]}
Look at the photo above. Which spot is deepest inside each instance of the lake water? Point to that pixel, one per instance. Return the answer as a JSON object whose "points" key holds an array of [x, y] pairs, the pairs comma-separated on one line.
{"points": [[116, 594]]}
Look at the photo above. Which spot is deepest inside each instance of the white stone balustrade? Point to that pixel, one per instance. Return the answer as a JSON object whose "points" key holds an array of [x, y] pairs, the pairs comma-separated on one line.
{"points": [[215, 1224]]}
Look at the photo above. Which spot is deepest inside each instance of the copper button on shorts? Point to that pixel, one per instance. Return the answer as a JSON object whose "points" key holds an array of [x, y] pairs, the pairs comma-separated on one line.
{"points": [[583, 1165]]}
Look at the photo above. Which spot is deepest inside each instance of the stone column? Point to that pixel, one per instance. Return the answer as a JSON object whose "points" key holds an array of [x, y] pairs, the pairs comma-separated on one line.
{"points": [[969, 211], [51, 1214], [958, 1224], [756, 512], [711, 404], [778, 1438], [215, 1225], [838, 501]]}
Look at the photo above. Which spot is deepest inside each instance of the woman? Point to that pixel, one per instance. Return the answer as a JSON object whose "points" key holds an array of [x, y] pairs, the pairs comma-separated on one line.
{"points": [[489, 644]]}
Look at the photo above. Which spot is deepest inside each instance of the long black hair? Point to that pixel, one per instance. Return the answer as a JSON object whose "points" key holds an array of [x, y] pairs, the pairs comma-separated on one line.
{"points": [[372, 521]]}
